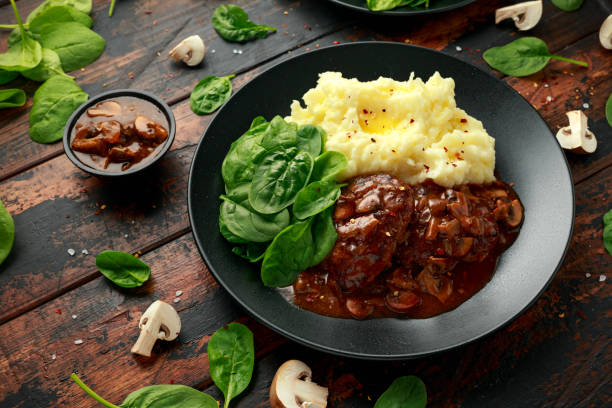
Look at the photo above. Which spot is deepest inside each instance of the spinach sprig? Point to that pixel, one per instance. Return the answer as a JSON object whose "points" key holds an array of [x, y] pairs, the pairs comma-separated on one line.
{"points": [[7, 232], [233, 24], [609, 110], [279, 194], [404, 392], [381, 5]]}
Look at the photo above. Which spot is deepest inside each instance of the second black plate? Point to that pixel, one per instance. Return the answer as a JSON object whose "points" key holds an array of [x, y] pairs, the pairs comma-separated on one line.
{"points": [[436, 6]]}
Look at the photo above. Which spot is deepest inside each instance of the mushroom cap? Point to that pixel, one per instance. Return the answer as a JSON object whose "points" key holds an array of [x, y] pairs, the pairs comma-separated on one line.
{"points": [[292, 388], [605, 33], [191, 51], [105, 108], [525, 15], [170, 322]]}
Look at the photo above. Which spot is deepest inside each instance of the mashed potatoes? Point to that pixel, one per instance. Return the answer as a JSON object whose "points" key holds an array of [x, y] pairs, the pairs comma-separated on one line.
{"points": [[412, 130]]}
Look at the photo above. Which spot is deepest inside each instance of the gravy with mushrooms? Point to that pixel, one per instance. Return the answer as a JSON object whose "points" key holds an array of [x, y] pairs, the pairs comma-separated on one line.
{"points": [[119, 133], [410, 251]]}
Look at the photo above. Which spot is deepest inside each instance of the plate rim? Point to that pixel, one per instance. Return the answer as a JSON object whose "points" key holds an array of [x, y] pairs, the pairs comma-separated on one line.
{"points": [[364, 355], [396, 13]]}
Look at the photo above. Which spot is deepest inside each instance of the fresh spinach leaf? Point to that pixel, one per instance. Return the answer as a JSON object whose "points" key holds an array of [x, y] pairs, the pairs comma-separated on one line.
{"points": [[233, 24], [59, 14], [7, 232], [249, 225], [156, 396], [54, 102], [112, 8], [252, 251], [231, 357], [75, 44], [210, 93], [290, 253], [404, 392], [324, 235], [281, 174], [24, 54], [607, 218], [607, 232], [227, 234], [83, 6], [7, 76], [11, 98], [50, 65], [123, 269], [241, 161], [609, 110], [311, 139], [315, 197], [280, 133], [522, 57], [568, 5], [381, 5], [328, 165]]}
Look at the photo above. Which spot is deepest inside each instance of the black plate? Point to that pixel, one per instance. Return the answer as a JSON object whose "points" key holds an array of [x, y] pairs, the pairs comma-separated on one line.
{"points": [[436, 6], [527, 154]]}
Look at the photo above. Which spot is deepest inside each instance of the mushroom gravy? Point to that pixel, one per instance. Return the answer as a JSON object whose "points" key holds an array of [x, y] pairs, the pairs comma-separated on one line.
{"points": [[119, 133], [410, 251]]}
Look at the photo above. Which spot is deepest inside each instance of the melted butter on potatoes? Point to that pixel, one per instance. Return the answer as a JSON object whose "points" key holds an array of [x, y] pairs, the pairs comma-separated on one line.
{"points": [[412, 130]]}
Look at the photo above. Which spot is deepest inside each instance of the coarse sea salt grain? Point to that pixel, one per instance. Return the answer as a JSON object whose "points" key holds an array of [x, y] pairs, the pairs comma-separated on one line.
{"points": [[602, 278], [79, 341], [585, 105], [85, 252], [71, 252], [458, 48], [176, 300], [53, 356], [179, 293], [74, 316], [588, 275]]}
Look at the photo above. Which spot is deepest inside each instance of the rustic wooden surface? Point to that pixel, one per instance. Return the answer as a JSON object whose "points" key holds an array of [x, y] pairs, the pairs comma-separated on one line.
{"points": [[557, 354]]}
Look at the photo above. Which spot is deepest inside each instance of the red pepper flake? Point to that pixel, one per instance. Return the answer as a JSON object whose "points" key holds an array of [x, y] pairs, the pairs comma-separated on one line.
{"points": [[336, 42], [422, 148], [411, 120], [373, 140], [307, 27], [366, 122], [148, 11], [454, 165], [582, 316], [462, 151], [98, 212], [445, 149], [511, 184], [365, 111], [440, 251], [462, 143], [426, 168], [463, 120], [319, 190], [58, 311], [465, 131], [154, 22], [384, 110], [458, 156], [284, 25], [393, 150], [391, 213], [131, 75], [478, 49]]}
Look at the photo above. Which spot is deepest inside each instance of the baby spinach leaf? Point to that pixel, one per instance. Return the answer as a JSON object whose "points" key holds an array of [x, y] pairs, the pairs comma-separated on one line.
{"points": [[522, 57], [7, 232], [607, 232], [11, 98], [54, 102], [404, 392], [233, 24], [59, 14], [241, 161], [281, 174], [76, 45], [607, 218], [315, 197], [609, 110], [231, 357], [381, 5], [26, 53], [568, 5], [311, 139], [328, 165], [123, 269], [83, 6], [324, 236], [7, 76], [280, 133], [252, 251], [249, 225], [210, 93], [49, 66], [227, 234], [156, 396], [290, 253]]}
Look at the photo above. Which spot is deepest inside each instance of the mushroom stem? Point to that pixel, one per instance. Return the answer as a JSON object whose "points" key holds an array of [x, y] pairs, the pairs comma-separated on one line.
{"points": [[605, 33], [310, 393]]}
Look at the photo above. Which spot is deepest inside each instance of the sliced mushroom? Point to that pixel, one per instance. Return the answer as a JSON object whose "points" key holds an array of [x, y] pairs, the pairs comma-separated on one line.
{"points": [[159, 321], [605, 33], [402, 301], [358, 308], [105, 108], [515, 214], [577, 137], [525, 15], [292, 387], [191, 51]]}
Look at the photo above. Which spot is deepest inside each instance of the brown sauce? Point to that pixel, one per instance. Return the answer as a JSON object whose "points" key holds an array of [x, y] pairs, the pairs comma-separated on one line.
{"points": [[118, 133], [410, 251]]}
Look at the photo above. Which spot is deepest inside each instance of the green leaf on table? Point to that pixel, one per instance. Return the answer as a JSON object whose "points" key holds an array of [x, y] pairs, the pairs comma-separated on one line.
{"points": [[76, 45], [25, 54], [324, 236], [83, 6], [290, 253], [247, 224], [123, 269], [404, 392], [522, 57], [315, 197], [231, 357], [7, 232], [568, 5], [210, 93], [607, 232], [12, 98], [50, 65], [328, 165], [54, 102], [609, 110], [233, 24], [59, 14], [7, 76]]}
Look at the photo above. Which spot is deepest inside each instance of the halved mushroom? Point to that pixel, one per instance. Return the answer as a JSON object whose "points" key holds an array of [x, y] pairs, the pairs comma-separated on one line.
{"points": [[402, 300], [605, 33], [292, 387], [435, 283], [105, 108], [525, 15], [159, 321], [149, 130], [359, 309], [191, 50], [577, 137]]}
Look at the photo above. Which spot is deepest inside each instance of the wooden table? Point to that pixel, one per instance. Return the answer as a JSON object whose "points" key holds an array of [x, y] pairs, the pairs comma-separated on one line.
{"points": [[556, 354]]}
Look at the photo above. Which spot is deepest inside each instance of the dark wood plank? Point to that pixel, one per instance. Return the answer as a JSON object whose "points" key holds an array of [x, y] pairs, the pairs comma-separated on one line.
{"points": [[558, 344]]}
